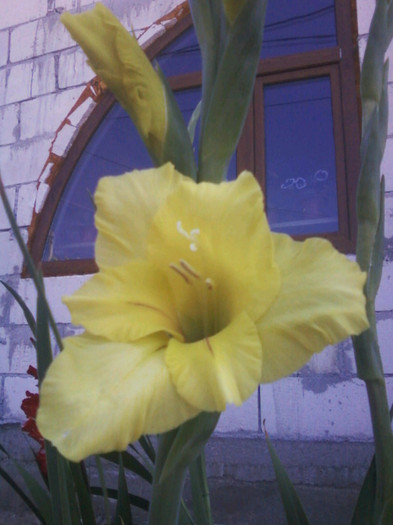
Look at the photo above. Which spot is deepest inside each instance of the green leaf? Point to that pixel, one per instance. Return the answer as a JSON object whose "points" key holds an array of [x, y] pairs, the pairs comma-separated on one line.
{"points": [[83, 494], [377, 255], [210, 26], [28, 260], [44, 348], [40, 496], [291, 502], [130, 463], [137, 501], [231, 93], [8, 479], [387, 516], [123, 511], [101, 476], [177, 146], [147, 445], [365, 505], [185, 517], [26, 311], [193, 122], [188, 442], [200, 491]]}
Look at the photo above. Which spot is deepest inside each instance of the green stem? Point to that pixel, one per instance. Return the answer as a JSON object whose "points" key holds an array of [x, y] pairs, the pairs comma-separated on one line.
{"points": [[166, 496], [383, 437], [200, 491]]}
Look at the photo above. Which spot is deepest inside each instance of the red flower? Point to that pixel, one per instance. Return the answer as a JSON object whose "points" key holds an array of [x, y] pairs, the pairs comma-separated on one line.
{"points": [[30, 406]]}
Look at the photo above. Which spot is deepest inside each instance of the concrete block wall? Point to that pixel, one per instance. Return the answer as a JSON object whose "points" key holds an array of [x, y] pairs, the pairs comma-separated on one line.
{"points": [[42, 74]]}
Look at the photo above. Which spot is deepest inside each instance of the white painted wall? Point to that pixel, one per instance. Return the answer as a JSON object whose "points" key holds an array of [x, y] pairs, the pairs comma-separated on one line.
{"points": [[42, 74]]}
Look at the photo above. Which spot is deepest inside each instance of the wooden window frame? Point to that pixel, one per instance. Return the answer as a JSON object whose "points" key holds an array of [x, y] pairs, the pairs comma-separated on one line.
{"points": [[339, 63]]}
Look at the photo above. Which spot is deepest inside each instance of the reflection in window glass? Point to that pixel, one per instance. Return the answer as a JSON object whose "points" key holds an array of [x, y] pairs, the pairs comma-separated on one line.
{"points": [[301, 190], [290, 27], [297, 26]]}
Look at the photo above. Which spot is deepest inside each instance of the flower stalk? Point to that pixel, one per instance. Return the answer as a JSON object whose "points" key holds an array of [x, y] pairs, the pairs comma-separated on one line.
{"points": [[370, 205]]}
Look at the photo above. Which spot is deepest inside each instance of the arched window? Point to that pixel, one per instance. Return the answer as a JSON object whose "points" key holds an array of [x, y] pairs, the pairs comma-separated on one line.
{"points": [[301, 137]]}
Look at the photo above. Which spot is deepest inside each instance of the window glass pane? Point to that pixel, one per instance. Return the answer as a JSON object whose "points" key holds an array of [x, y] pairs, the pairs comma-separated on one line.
{"points": [[297, 26], [301, 192], [182, 55], [114, 148]]}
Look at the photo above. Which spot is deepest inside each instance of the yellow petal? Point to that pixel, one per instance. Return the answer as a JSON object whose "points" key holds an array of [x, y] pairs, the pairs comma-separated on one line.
{"points": [[117, 58], [125, 303], [217, 370], [125, 207], [233, 8], [321, 302], [221, 232], [99, 396]]}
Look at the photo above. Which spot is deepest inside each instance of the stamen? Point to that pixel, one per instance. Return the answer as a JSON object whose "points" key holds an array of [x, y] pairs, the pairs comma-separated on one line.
{"points": [[178, 270], [187, 266], [209, 283], [209, 345]]}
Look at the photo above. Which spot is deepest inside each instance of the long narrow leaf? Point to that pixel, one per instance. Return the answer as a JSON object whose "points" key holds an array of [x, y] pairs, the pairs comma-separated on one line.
{"points": [[101, 476], [365, 506], [69, 493], [193, 122], [27, 312], [28, 260], [231, 93], [200, 491], [291, 502], [137, 501], [44, 347], [8, 479], [40, 496], [83, 494], [130, 463], [188, 442], [177, 146], [147, 445], [123, 512], [387, 515], [185, 517]]}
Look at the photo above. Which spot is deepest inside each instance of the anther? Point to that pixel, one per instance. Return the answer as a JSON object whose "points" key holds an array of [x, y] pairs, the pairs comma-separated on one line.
{"points": [[188, 268], [209, 283], [178, 271]]}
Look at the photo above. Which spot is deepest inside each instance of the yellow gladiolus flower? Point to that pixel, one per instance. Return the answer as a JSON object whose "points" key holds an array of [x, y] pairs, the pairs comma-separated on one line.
{"points": [[195, 303], [117, 58]]}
